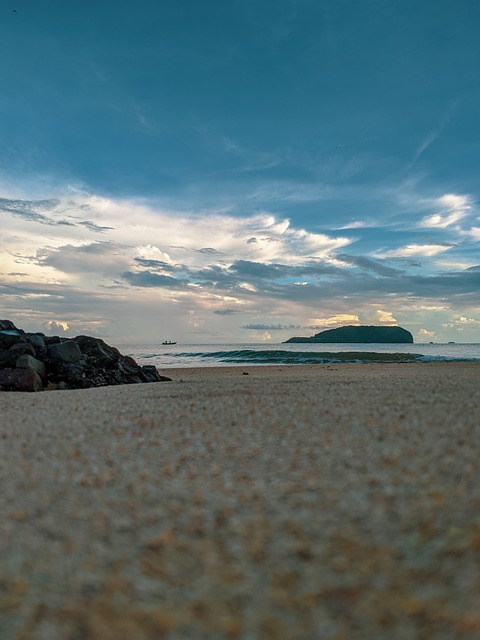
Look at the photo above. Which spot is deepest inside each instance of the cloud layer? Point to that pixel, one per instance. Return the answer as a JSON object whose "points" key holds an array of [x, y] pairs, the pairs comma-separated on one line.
{"points": [[131, 270]]}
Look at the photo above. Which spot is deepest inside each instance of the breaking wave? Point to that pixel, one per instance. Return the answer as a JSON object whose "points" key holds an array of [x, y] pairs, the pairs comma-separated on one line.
{"points": [[251, 356]]}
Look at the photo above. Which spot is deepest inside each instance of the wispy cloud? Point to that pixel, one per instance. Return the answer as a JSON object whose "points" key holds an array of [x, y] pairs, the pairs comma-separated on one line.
{"points": [[270, 327], [433, 134], [358, 224], [453, 209], [420, 250]]}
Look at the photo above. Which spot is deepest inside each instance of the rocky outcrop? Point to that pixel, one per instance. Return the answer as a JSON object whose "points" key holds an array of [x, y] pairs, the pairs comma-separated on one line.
{"points": [[362, 334], [33, 362]]}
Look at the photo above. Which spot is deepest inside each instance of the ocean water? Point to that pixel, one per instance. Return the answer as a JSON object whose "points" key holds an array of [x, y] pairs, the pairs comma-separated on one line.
{"points": [[215, 355]]}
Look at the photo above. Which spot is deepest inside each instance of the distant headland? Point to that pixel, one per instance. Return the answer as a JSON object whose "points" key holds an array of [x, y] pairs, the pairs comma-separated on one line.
{"points": [[370, 334]]}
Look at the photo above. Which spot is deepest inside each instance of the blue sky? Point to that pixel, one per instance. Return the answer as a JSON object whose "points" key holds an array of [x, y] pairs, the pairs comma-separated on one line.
{"points": [[240, 170]]}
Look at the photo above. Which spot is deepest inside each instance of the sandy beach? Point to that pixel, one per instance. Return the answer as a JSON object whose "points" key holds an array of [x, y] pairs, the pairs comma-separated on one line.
{"points": [[322, 503]]}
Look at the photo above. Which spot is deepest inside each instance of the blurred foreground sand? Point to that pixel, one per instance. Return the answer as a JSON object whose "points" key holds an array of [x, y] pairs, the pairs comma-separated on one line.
{"points": [[323, 503]]}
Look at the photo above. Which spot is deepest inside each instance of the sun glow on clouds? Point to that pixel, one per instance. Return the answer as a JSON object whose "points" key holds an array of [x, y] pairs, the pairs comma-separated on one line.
{"points": [[385, 317], [58, 325], [193, 239], [150, 252], [101, 264], [95, 249], [332, 321]]}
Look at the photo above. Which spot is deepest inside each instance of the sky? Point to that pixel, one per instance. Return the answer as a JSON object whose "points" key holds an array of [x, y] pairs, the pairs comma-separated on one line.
{"points": [[240, 170]]}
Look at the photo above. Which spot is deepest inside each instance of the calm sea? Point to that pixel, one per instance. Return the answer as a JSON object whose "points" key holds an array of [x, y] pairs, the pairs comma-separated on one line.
{"points": [[214, 355]]}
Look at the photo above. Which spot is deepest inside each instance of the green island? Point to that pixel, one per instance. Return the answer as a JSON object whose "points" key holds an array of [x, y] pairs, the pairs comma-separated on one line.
{"points": [[362, 333]]}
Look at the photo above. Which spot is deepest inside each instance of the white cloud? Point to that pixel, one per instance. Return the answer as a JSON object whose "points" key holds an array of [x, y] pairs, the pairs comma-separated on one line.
{"points": [[137, 267], [411, 250], [150, 252], [340, 319], [155, 234], [385, 317], [432, 307], [359, 224], [453, 208], [247, 286], [474, 232], [55, 326], [455, 265], [463, 320], [425, 333]]}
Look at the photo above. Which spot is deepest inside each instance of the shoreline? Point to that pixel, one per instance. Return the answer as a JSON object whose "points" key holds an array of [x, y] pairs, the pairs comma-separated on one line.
{"points": [[298, 501], [257, 370]]}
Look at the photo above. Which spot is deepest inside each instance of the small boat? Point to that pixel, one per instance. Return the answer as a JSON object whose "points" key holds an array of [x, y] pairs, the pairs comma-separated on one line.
{"points": [[168, 342]]}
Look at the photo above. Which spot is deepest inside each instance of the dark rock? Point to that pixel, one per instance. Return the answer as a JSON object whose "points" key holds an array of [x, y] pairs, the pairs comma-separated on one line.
{"points": [[10, 337], [23, 380], [152, 375], [7, 325], [67, 352], [33, 361], [7, 359], [29, 362], [38, 343], [360, 334], [22, 348], [97, 351], [4, 377]]}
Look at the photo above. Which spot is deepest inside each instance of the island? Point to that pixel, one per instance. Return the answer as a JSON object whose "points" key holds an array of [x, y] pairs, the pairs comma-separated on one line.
{"points": [[364, 334]]}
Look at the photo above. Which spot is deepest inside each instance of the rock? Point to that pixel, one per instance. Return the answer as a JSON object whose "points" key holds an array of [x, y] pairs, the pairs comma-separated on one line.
{"points": [[33, 361], [22, 348], [37, 340], [67, 352], [152, 375], [360, 334], [7, 325], [7, 359], [22, 380], [10, 337], [29, 362], [4, 377], [98, 351]]}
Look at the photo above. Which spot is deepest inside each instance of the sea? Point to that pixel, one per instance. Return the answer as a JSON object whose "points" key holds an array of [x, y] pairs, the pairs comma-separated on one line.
{"points": [[218, 355]]}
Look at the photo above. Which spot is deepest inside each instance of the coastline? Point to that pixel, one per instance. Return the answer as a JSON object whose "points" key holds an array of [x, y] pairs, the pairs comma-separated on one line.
{"points": [[303, 370], [305, 501]]}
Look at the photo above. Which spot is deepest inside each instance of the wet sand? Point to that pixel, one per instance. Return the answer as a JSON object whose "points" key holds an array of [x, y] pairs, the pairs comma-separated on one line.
{"points": [[306, 502]]}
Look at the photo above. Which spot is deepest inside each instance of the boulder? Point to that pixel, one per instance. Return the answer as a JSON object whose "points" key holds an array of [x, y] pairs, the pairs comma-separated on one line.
{"points": [[97, 351], [37, 340], [7, 359], [5, 373], [9, 337], [20, 380], [150, 372], [67, 352], [33, 361], [22, 348], [7, 325]]}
